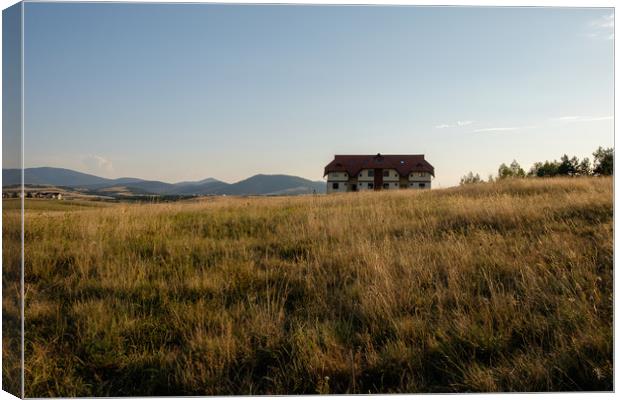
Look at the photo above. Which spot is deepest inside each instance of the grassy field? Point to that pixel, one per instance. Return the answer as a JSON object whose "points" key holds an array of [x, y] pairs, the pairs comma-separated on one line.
{"points": [[489, 287]]}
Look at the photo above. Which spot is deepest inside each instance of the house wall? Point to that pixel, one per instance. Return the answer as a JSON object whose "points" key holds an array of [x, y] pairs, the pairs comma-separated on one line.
{"points": [[420, 177], [416, 184], [390, 185], [338, 176], [392, 175], [365, 185], [341, 186], [366, 175], [365, 180]]}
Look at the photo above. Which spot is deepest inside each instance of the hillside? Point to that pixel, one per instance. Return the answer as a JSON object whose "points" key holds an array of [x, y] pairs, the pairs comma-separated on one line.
{"points": [[488, 287]]}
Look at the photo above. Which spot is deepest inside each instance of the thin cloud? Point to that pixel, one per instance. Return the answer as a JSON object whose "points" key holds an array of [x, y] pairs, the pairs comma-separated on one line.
{"points": [[455, 125], [604, 22], [602, 27], [578, 118], [97, 163], [503, 129]]}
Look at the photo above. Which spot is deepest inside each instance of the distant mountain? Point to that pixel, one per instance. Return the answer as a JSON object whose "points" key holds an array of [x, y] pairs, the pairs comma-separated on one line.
{"points": [[51, 176], [207, 180], [275, 184], [255, 185], [208, 187]]}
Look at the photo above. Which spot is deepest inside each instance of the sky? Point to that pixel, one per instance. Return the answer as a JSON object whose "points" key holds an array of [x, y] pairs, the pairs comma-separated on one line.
{"points": [[178, 92]]}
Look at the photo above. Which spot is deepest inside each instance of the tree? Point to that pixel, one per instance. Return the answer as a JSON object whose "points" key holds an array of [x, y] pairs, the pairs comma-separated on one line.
{"points": [[516, 169], [470, 178], [568, 166], [504, 172], [548, 168], [535, 168], [604, 161], [512, 171], [584, 168]]}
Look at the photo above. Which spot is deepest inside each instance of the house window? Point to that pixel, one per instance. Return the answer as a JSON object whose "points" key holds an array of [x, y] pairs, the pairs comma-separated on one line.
{"points": [[386, 186], [420, 173], [371, 186], [386, 173], [371, 173], [335, 185], [422, 185]]}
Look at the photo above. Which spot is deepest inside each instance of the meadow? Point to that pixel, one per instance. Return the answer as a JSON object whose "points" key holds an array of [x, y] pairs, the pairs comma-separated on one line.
{"points": [[481, 288]]}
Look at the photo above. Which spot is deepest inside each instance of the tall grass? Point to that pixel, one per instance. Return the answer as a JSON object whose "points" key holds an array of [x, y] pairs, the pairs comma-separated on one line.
{"points": [[11, 296], [490, 287]]}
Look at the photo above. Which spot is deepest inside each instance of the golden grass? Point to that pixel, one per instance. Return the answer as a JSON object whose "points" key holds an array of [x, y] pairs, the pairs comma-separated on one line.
{"points": [[489, 287]]}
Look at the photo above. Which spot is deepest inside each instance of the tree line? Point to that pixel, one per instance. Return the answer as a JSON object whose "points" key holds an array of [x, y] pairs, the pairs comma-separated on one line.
{"points": [[603, 164]]}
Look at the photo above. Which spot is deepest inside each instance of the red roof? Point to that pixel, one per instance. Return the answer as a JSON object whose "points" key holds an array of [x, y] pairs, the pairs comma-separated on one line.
{"points": [[404, 164]]}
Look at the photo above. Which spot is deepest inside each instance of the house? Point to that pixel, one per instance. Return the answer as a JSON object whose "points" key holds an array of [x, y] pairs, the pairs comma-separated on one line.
{"points": [[351, 173]]}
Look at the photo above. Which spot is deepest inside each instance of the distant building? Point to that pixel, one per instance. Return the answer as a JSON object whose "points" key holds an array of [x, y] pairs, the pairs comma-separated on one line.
{"points": [[44, 195], [351, 173]]}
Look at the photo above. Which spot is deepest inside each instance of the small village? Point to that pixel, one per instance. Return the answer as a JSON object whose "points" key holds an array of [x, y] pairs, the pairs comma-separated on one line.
{"points": [[32, 195]]}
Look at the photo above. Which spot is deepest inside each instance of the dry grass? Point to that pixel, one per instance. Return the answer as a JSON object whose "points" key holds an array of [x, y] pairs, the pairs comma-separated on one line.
{"points": [[491, 287]]}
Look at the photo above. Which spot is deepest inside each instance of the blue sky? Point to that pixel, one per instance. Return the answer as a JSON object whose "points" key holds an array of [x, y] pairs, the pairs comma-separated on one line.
{"points": [[177, 92]]}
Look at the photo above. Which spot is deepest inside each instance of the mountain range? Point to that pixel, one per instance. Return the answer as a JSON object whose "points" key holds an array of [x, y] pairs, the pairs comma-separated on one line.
{"points": [[255, 185]]}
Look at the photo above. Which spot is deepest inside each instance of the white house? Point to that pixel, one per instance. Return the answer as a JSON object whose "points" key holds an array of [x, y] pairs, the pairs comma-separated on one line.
{"points": [[352, 173]]}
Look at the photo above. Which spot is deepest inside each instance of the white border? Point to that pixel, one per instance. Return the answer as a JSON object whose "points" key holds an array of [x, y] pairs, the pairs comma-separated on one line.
{"points": [[483, 3]]}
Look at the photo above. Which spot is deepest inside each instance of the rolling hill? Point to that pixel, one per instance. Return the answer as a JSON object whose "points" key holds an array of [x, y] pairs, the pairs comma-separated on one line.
{"points": [[256, 185]]}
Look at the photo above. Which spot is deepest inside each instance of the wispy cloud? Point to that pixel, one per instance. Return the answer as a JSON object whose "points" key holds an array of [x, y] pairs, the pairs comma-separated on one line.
{"points": [[503, 129], [578, 118], [96, 163], [602, 27], [604, 22], [455, 125]]}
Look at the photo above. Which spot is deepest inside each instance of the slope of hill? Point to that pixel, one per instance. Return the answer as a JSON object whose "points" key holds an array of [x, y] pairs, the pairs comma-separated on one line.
{"points": [[501, 287]]}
